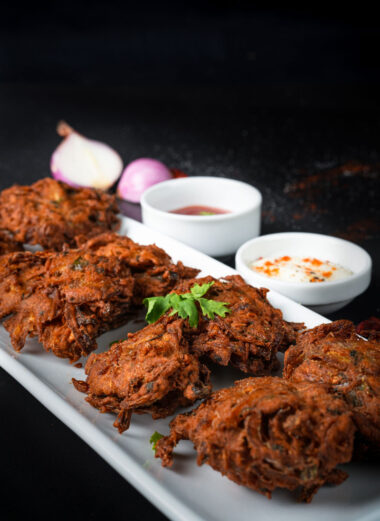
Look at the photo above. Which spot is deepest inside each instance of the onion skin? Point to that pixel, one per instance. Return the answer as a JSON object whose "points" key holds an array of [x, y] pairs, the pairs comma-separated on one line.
{"points": [[82, 162], [140, 175]]}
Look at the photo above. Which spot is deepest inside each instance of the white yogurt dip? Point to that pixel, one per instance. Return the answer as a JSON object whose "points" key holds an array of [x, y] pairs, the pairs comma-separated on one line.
{"points": [[299, 269]]}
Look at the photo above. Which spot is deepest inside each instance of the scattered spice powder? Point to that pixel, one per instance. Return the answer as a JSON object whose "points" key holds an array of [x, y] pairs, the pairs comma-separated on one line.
{"points": [[331, 176], [359, 230], [324, 192]]}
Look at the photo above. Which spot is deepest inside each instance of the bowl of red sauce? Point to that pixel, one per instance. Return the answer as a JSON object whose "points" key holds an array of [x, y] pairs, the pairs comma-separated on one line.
{"points": [[212, 214], [199, 210], [322, 272]]}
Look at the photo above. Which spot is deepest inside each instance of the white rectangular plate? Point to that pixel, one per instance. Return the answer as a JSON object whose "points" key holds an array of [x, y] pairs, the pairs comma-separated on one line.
{"points": [[185, 492]]}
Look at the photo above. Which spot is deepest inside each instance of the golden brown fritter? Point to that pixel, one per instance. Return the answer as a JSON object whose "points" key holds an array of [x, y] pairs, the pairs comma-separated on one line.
{"points": [[137, 256], [154, 272], [333, 354], [66, 299], [20, 273], [268, 432], [78, 294], [8, 244], [369, 328], [51, 213], [150, 372], [249, 337]]}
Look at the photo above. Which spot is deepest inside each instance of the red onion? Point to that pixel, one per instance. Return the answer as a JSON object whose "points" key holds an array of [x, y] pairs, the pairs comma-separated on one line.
{"points": [[79, 161], [140, 175]]}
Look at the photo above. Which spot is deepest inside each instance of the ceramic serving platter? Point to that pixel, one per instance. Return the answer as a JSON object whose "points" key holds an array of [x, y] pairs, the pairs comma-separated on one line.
{"points": [[185, 492]]}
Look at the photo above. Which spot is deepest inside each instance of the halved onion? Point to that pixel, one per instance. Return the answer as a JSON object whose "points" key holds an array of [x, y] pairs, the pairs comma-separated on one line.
{"points": [[79, 161]]}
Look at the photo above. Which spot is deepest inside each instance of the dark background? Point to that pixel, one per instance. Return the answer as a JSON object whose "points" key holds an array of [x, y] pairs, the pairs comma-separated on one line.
{"points": [[286, 99]]}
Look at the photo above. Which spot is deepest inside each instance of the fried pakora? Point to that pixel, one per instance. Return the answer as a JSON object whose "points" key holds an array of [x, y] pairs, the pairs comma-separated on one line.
{"points": [[268, 432], [153, 269], [51, 213], [20, 273], [335, 355], [78, 294], [250, 336], [369, 328], [151, 372], [66, 299], [8, 244]]}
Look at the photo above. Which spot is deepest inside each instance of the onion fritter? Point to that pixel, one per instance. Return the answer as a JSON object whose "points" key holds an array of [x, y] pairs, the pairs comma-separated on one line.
{"points": [[333, 354], [8, 243], [67, 299], [52, 213], [20, 273], [154, 272], [150, 372], [268, 432], [78, 294], [250, 336]]}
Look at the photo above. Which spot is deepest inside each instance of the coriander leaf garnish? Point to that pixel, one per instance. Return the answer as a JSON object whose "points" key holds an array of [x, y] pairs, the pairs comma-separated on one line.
{"points": [[210, 308], [207, 213], [199, 291], [157, 306], [188, 308], [154, 439], [185, 305]]}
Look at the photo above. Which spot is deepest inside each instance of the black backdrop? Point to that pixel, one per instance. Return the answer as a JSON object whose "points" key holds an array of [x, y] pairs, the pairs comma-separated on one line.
{"points": [[286, 99], [203, 42]]}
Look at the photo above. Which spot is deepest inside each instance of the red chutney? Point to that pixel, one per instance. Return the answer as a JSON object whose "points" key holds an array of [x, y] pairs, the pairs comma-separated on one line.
{"points": [[199, 210]]}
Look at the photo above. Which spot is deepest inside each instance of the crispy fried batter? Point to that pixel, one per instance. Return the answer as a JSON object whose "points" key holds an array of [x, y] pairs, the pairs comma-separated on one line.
{"points": [[333, 354], [20, 273], [51, 213], [247, 338], [268, 432], [153, 269], [8, 244], [369, 328], [150, 372], [67, 299]]}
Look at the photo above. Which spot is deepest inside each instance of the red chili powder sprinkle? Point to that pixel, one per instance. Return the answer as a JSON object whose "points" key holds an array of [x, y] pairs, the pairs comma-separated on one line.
{"points": [[314, 262], [268, 271]]}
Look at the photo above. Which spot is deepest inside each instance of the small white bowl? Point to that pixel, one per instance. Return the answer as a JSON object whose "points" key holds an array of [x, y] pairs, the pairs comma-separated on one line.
{"points": [[216, 235], [323, 297]]}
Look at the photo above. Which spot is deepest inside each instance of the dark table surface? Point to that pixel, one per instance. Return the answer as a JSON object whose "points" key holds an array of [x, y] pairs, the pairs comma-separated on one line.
{"points": [[314, 153]]}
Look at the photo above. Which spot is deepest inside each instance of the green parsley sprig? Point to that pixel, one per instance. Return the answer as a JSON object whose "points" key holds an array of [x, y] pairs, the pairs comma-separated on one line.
{"points": [[185, 305]]}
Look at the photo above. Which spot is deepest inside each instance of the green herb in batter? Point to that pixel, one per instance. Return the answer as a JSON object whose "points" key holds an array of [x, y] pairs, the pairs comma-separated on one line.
{"points": [[154, 439]]}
